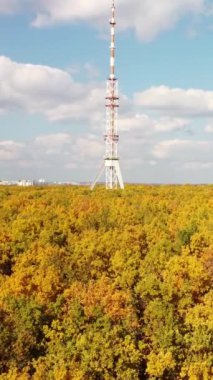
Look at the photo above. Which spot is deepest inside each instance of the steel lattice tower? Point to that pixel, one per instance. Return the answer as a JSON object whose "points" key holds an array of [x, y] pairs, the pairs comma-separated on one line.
{"points": [[111, 160]]}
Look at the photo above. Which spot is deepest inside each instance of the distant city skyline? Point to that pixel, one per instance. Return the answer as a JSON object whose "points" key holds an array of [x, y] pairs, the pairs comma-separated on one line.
{"points": [[54, 59]]}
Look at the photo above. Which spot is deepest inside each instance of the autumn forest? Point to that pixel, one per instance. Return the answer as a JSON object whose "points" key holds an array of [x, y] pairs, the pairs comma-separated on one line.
{"points": [[106, 285]]}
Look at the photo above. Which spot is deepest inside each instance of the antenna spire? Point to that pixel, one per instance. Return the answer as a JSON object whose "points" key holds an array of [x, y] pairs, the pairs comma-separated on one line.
{"points": [[111, 160]]}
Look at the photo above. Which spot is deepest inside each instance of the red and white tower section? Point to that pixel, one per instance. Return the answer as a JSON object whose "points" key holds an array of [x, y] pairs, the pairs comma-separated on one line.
{"points": [[111, 163]]}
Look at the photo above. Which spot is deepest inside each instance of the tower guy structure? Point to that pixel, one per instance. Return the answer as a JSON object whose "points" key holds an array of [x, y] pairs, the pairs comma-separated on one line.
{"points": [[111, 163]]}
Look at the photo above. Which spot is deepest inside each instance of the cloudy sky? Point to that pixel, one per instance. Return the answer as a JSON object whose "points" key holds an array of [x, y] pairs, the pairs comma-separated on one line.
{"points": [[54, 58]]}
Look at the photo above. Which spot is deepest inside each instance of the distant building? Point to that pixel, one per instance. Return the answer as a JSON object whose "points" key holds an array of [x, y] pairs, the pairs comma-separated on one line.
{"points": [[8, 183], [25, 183]]}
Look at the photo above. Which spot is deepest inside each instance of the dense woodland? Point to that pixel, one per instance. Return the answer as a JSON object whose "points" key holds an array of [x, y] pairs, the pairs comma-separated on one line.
{"points": [[106, 285]]}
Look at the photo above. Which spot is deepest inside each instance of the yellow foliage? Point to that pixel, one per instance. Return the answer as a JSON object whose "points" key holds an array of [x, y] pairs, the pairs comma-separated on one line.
{"points": [[158, 363], [106, 285], [15, 374]]}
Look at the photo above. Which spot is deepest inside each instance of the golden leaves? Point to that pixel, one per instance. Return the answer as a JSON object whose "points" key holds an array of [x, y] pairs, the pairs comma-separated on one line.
{"points": [[106, 285]]}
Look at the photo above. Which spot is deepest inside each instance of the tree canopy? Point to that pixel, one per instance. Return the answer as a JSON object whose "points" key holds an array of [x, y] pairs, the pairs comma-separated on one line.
{"points": [[106, 285]]}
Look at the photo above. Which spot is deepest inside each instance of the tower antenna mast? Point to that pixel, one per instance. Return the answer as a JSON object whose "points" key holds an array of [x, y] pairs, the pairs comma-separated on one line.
{"points": [[111, 163]]}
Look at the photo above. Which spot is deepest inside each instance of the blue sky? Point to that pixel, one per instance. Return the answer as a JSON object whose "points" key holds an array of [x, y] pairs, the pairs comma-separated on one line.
{"points": [[54, 61]]}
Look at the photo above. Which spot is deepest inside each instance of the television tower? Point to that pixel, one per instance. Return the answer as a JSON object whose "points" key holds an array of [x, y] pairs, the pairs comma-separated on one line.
{"points": [[111, 160]]}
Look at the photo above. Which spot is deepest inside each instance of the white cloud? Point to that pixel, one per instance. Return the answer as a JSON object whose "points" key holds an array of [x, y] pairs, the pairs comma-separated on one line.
{"points": [[148, 17], [184, 150], [168, 124], [57, 153], [89, 147], [196, 165], [87, 107], [10, 150], [209, 128], [66, 156], [10, 6], [91, 70], [54, 11], [141, 122], [184, 161], [151, 17], [49, 91], [54, 144], [150, 125], [55, 94], [67, 147], [191, 102]]}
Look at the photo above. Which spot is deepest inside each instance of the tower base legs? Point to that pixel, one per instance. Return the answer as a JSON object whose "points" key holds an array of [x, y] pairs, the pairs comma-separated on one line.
{"points": [[99, 174], [113, 174]]}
